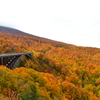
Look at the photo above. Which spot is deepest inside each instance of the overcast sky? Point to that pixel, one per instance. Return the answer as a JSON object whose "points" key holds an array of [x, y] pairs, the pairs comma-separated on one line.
{"points": [[71, 21]]}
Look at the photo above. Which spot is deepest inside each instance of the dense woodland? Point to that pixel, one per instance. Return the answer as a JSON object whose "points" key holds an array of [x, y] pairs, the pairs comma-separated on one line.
{"points": [[58, 71]]}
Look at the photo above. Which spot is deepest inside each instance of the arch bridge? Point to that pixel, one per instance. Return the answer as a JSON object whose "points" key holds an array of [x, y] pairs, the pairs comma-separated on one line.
{"points": [[10, 60]]}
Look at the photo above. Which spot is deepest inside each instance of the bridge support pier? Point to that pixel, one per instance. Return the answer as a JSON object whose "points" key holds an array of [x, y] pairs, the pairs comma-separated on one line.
{"points": [[1, 61]]}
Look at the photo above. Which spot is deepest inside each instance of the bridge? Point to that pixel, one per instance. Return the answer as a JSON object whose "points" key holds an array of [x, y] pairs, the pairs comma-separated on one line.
{"points": [[10, 60]]}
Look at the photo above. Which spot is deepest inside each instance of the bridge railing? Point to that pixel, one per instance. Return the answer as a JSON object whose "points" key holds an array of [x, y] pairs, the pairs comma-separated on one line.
{"points": [[15, 54]]}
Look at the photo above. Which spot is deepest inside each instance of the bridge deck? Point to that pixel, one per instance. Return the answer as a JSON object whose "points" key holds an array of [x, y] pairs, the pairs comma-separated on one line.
{"points": [[14, 54]]}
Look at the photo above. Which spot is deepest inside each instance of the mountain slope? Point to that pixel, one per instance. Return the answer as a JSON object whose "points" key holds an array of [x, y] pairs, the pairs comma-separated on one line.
{"points": [[63, 72], [16, 31], [10, 30]]}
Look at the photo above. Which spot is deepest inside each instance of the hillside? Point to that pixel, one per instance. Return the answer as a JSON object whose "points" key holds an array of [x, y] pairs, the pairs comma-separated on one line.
{"points": [[58, 71], [18, 32]]}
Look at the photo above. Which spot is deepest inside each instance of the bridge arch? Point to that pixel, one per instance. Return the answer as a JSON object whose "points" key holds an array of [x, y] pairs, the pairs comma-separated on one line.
{"points": [[10, 60]]}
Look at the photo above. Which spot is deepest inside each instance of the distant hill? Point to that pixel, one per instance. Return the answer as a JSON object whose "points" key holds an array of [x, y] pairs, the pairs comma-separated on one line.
{"points": [[10, 30], [13, 31], [16, 31]]}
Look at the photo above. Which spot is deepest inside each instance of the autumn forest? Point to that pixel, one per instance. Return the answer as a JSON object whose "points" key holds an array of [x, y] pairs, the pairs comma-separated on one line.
{"points": [[57, 71]]}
